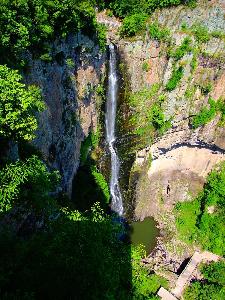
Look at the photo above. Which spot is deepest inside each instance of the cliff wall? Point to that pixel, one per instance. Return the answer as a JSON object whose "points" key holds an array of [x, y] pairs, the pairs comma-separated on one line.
{"points": [[70, 88]]}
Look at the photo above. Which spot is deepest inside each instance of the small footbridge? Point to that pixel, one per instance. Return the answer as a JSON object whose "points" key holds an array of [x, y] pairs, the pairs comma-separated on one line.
{"points": [[186, 275]]}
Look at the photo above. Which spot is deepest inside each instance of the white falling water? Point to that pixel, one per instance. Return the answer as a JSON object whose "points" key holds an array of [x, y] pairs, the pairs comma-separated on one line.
{"points": [[117, 203]]}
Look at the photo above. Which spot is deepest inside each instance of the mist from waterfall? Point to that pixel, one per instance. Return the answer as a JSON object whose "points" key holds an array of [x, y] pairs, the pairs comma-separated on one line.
{"points": [[110, 120]]}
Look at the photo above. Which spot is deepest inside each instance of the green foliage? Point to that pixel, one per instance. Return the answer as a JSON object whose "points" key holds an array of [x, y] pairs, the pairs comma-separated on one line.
{"points": [[144, 285], [207, 88], [196, 223], [25, 181], [218, 34], [90, 184], [145, 66], [183, 49], [201, 33], [200, 291], [31, 24], [194, 62], [214, 272], [70, 63], [147, 114], [157, 117], [46, 57], [192, 3], [187, 214], [101, 183], [132, 24], [101, 32], [89, 143], [123, 8], [205, 115], [74, 250], [19, 104], [176, 76], [213, 286], [158, 32]]}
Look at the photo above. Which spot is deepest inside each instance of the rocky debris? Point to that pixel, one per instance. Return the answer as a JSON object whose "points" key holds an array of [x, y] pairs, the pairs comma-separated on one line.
{"points": [[160, 257]]}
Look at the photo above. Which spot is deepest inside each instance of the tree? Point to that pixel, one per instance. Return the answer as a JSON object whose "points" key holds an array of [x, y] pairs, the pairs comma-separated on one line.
{"points": [[18, 105], [26, 181]]}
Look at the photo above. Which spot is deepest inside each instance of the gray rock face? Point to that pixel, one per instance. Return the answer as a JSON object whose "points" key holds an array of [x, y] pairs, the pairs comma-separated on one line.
{"points": [[182, 157], [68, 85]]}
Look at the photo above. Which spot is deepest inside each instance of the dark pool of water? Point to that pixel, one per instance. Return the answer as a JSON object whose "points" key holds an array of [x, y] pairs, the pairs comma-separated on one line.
{"points": [[144, 232]]}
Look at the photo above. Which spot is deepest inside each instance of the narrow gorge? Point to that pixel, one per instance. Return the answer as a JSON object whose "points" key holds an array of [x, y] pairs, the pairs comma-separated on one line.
{"points": [[112, 149]]}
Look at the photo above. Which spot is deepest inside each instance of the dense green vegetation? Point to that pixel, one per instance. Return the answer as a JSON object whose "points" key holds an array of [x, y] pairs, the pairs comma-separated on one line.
{"points": [[175, 78], [19, 103], [123, 8], [26, 182], [201, 33], [201, 221], [158, 32], [207, 114], [133, 24], [213, 285], [184, 48], [148, 118], [90, 184], [135, 12], [33, 24]]}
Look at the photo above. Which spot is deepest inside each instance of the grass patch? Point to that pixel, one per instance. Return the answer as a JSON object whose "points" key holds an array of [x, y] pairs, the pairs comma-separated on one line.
{"points": [[207, 114], [159, 33], [175, 78], [183, 49], [201, 33]]}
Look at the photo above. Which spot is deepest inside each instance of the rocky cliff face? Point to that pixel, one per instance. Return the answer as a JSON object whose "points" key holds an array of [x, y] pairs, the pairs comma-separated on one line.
{"points": [[69, 84], [182, 157]]}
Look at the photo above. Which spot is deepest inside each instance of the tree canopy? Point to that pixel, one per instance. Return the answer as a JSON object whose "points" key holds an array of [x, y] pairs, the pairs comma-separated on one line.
{"points": [[18, 106], [202, 220]]}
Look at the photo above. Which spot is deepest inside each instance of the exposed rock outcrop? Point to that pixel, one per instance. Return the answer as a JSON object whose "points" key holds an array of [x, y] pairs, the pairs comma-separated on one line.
{"points": [[182, 157], [69, 86]]}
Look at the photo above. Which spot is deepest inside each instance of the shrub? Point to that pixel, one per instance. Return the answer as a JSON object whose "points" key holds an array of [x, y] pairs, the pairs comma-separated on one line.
{"points": [[176, 76], [205, 115], [158, 32], [133, 24], [184, 48], [46, 57], [206, 88], [101, 32], [101, 183], [212, 287], [70, 63], [19, 104], [51, 18], [26, 181], [201, 33], [145, 66], [196, 224]]}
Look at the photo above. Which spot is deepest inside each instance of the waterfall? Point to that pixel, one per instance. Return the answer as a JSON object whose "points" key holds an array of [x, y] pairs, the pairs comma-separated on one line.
{"points": [[110, 120]]}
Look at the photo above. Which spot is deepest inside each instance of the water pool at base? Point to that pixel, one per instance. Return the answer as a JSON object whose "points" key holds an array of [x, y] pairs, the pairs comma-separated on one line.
{"points": [[145, 233]]}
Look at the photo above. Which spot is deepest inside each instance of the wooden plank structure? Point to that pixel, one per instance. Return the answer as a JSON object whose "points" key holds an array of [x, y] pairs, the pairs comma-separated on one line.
{"points": [[186, 275]]}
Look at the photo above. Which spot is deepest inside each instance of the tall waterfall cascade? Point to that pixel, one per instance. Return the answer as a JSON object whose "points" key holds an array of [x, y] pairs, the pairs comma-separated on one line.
{"points": [[110, 120]]}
